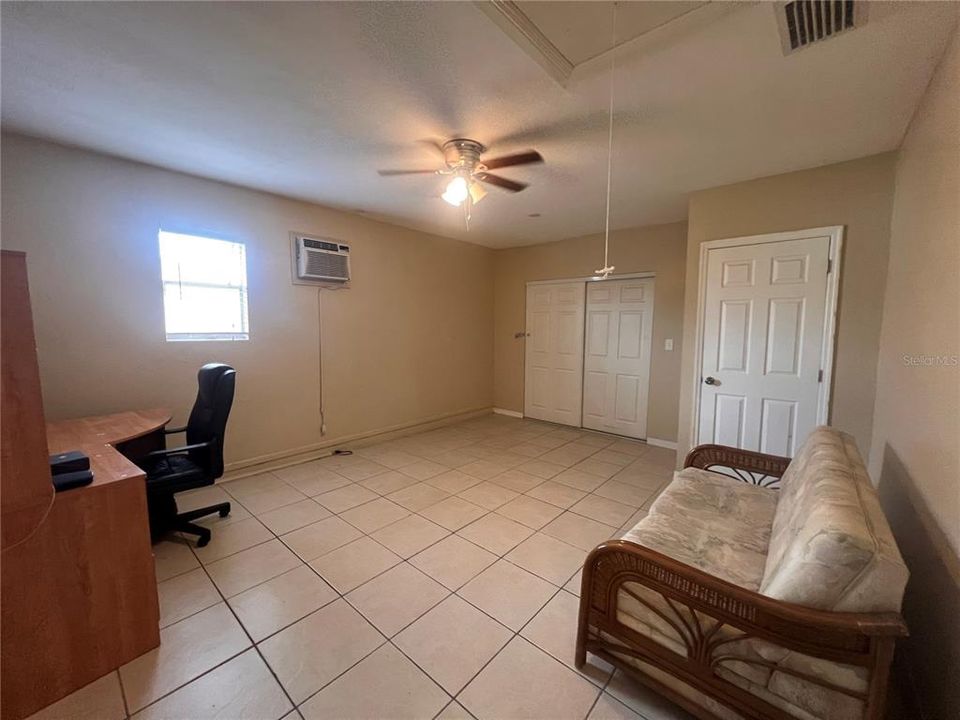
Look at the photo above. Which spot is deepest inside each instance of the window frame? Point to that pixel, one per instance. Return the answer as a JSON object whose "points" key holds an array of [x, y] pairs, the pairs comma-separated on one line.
{"points": [[243, 290]]}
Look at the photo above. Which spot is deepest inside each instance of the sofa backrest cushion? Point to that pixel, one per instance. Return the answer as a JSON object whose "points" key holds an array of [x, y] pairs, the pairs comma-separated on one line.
{"points": [[830, 544]]}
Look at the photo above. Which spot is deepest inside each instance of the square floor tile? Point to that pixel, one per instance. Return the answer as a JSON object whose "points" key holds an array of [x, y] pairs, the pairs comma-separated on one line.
{"points": [[496, 533], [317, 481], [261, 502], [453, 481], [346, 497], [579, 480], [253, 484], [483, 469], [374, 515], [563, 496], [452, 642], [507, 593], [184, 595], [644, 701], [541, 468], [517, 480], [383, 685], [548, 558], [574, 583], [233, 538], [100, 700], [290, 517], [454, 711], [488, 495], [321, 537], [624, 493], [241, 688], [598, 467], [613, 456], [388, 482], [454, 458], [609, 708], [609, 512], [173, 557], [524, 682], [312, 652], [394, 459], [579, 531], [418, 497], [423, 469], [529, 511], [554, 630], [361, 469], [236, 573], [353, 564], [396, 598], [187, 649], [280, 601], [453, 561], [453, 513], [410, 535]]}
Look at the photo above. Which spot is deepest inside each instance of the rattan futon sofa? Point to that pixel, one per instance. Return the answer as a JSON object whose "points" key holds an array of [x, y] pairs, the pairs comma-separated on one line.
{"points": [[756, 587]]}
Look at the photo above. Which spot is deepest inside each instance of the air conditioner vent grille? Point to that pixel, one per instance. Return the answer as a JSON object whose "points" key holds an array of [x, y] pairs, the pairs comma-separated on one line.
{"points": [[804, 22], [328, 265]]}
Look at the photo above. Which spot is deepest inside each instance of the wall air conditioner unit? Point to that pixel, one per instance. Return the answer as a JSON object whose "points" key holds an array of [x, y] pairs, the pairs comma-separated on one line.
{"points": [[321, 261]]}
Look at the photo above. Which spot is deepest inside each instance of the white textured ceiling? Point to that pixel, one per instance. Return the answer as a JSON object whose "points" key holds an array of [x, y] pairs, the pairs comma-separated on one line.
{"points": [[309, 99]]}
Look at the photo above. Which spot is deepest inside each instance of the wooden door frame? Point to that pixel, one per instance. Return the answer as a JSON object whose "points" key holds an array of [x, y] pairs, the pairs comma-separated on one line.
{"points": [[585, 280], [834, 255]]}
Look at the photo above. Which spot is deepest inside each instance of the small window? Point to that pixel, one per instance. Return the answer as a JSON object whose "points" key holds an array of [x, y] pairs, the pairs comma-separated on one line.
{"points": [[204, 287]]}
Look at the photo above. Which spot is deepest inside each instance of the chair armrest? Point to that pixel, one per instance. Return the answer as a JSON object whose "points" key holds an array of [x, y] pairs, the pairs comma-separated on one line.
{"points": [[179, 450], [751, 467], [841, 637], [174, 431]]}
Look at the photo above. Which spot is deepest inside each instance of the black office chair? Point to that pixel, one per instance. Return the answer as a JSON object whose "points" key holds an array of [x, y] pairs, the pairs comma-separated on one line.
{"points": [[196, 464]]}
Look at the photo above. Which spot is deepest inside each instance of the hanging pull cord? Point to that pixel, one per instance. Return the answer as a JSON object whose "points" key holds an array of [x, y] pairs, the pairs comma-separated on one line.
{"points": [[607, 268]]}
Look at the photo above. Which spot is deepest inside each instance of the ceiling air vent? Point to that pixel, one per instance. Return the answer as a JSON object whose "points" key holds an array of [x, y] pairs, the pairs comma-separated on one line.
{"points": [[805, 22]]}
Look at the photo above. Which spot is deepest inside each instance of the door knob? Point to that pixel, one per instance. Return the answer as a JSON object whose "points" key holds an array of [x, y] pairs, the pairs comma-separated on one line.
{"points": [[710, 380]]}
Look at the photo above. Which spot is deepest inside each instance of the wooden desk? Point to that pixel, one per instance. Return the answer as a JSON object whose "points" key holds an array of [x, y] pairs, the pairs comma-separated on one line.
{"points": [[77, 584], [99, 437]]}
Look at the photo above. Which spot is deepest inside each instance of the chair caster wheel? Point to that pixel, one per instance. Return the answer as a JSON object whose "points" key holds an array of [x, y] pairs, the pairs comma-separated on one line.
{"points": [[203, 540], [224, 512]]}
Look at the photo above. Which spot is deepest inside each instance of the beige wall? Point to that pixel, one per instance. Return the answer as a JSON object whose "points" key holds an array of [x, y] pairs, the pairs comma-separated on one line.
{"points": [[659, 249], [915, 455], [857, 194], [409, 341]]}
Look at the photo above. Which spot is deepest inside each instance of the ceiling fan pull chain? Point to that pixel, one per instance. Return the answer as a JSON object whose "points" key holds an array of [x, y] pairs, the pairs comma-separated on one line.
{"points": [[607, 268]]}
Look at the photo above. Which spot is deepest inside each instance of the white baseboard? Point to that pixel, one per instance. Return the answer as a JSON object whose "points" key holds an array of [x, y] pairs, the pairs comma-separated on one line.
{"points": [[508, 413], [657, 442], [285, 458]]}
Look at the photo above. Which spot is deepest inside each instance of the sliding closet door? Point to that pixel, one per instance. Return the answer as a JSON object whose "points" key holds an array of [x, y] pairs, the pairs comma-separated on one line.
{"points": [[617, 356], [554, 352]]}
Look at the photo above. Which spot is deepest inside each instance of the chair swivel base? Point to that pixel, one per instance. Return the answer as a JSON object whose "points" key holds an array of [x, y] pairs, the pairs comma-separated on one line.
{"points": [[164, 518]]}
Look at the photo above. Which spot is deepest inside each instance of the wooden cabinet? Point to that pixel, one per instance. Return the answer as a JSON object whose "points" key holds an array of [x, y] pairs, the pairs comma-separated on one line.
{"points": [[77, 583]]}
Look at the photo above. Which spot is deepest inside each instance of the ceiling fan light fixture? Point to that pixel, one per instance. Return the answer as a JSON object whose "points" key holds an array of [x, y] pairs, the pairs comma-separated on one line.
{"points": [[477, 193], [456, 191]]}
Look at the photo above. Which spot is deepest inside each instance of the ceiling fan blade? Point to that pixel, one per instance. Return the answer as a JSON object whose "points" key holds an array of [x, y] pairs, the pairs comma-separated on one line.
{"points": [[387, 173], [524, 158], [510, 185]]}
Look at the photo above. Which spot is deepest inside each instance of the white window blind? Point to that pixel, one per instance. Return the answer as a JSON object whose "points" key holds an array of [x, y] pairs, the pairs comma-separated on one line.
{"points": [[204, 287]]}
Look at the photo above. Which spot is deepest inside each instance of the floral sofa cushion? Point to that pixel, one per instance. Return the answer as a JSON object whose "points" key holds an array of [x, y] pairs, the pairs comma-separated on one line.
{"points": [[830, 546]]}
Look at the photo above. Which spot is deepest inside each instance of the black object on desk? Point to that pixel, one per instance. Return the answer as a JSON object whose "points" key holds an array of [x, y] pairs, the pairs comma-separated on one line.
{"points": [[71, 480], [68, 462]]}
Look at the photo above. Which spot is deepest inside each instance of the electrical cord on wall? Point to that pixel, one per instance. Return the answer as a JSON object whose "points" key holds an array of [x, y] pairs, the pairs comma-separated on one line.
{"points": [[323, 420]]}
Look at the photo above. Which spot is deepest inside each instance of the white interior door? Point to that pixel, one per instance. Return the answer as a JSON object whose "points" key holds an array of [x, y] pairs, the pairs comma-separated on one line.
{"points": [[554, 352], [763, 335], [616, 374]]}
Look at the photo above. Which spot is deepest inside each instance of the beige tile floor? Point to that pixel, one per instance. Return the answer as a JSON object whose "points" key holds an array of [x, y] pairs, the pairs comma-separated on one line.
{"points": [[433, 576]]}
